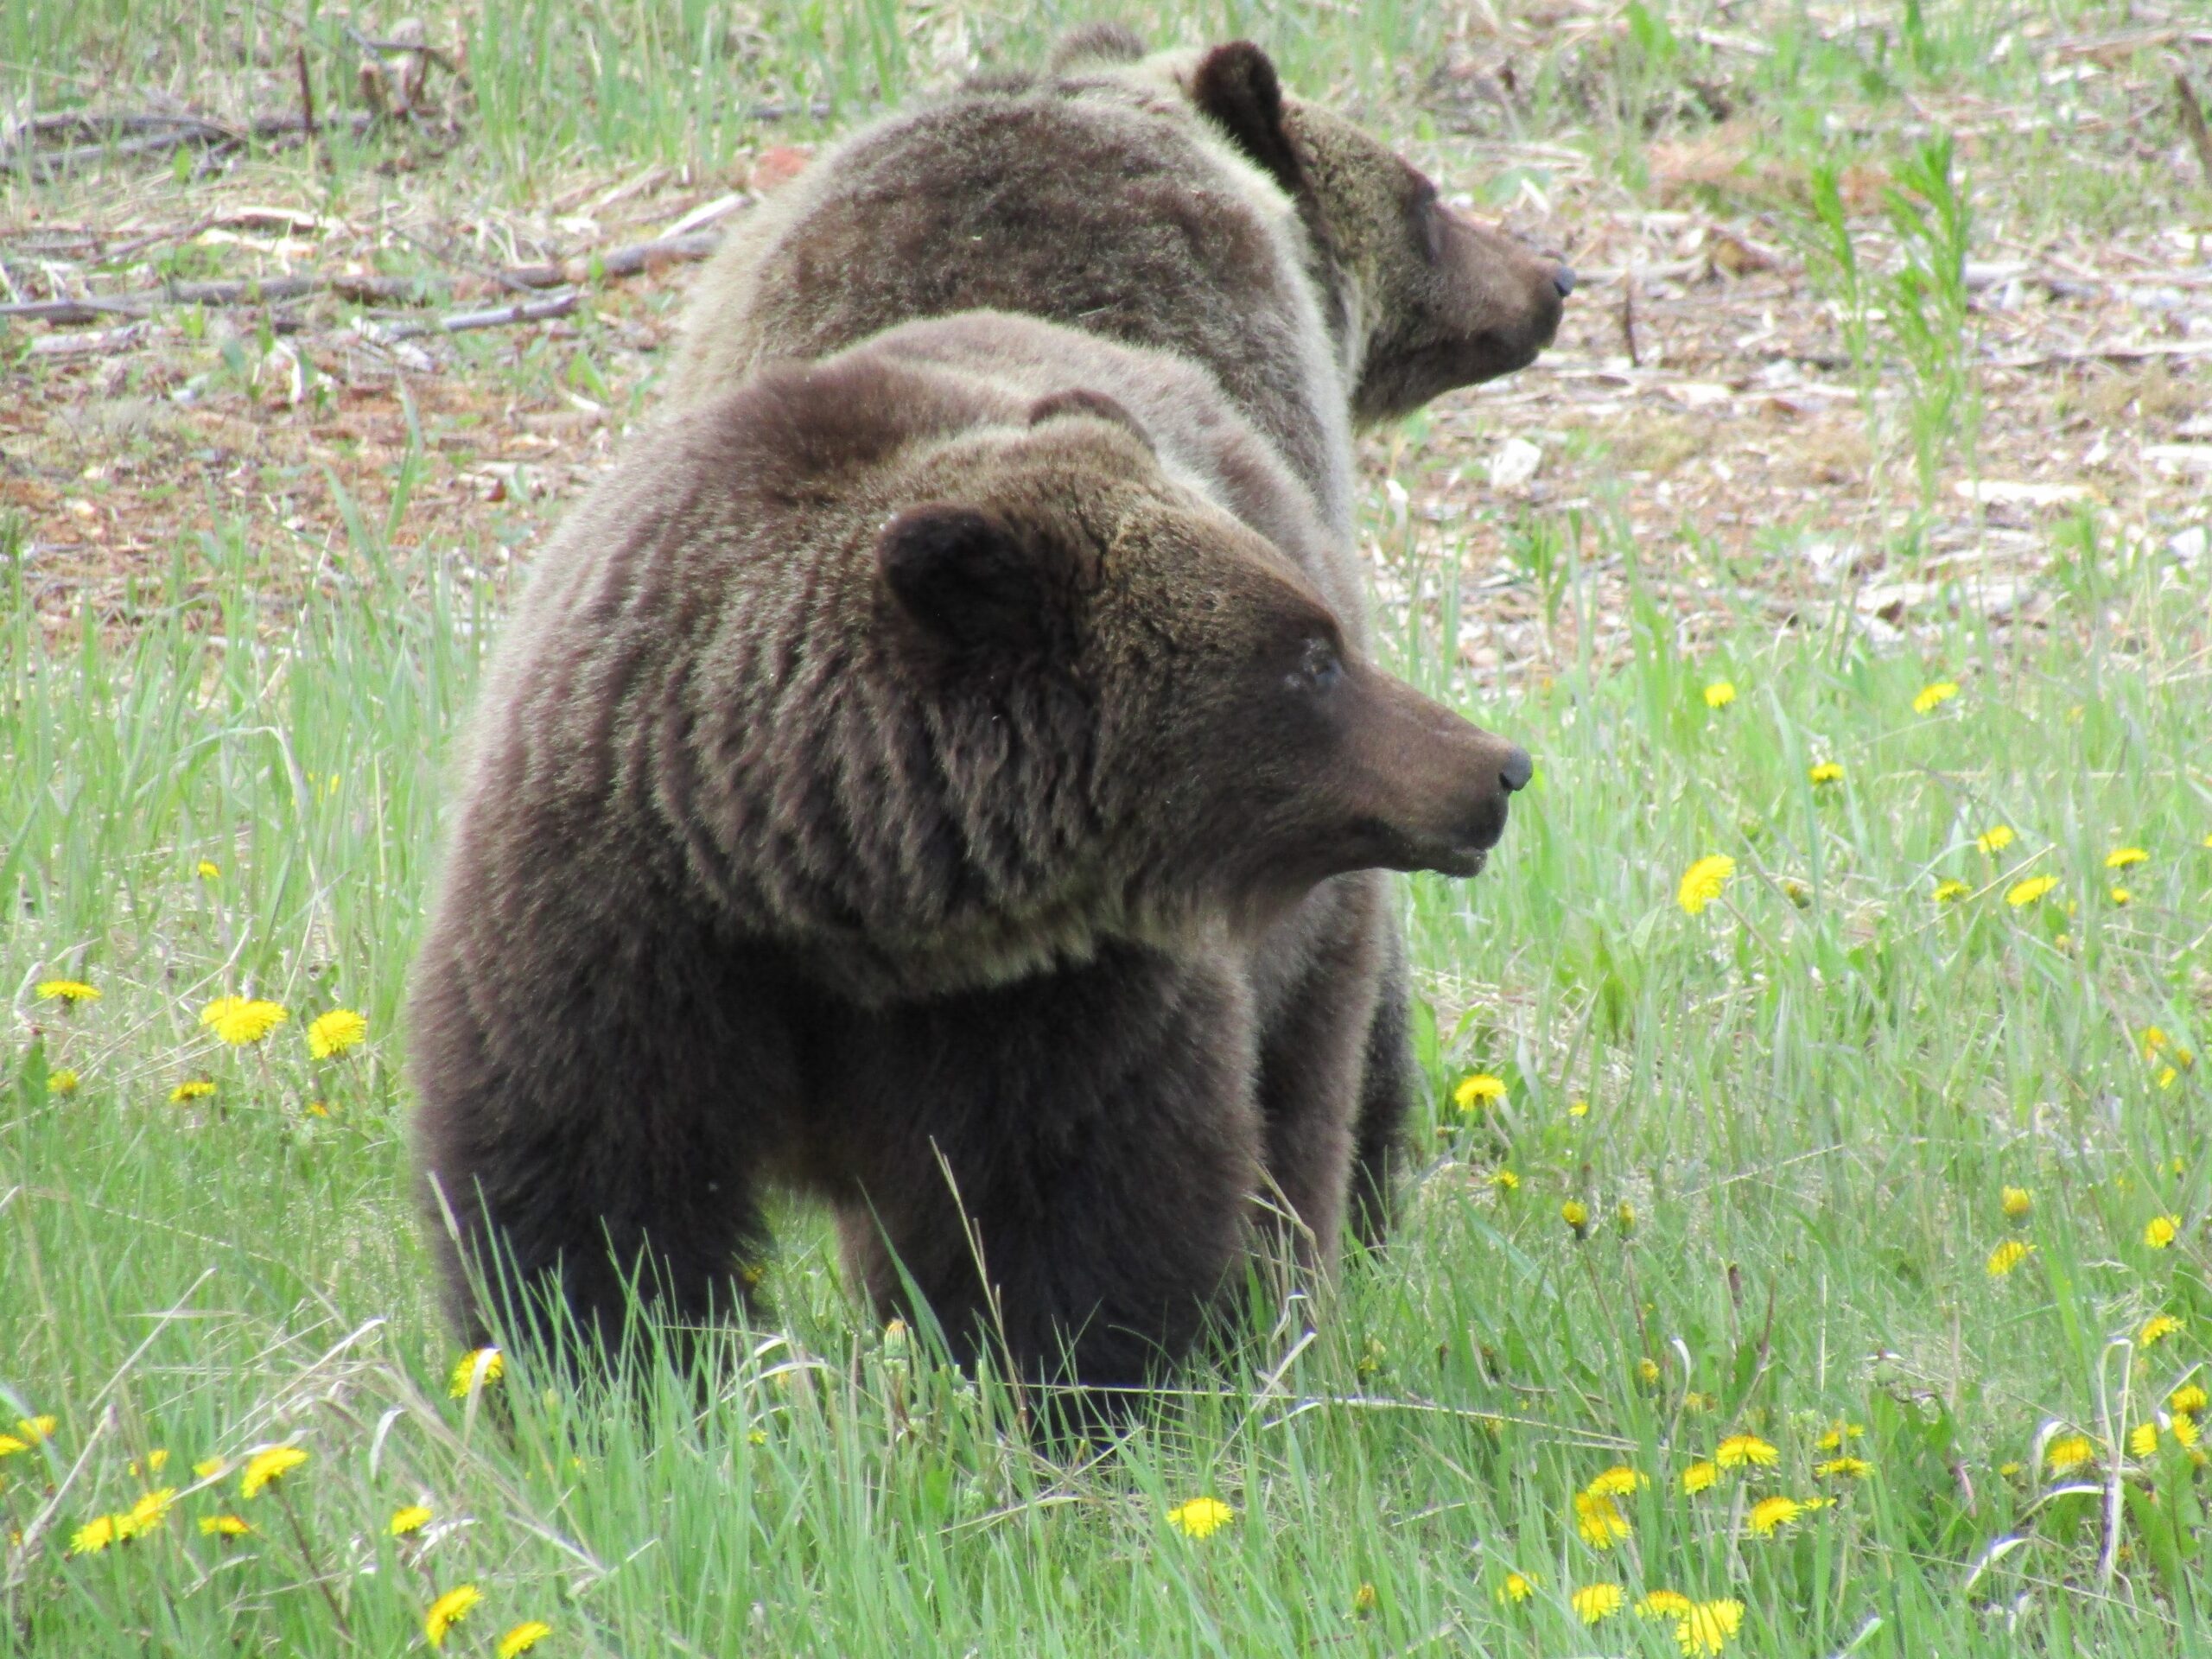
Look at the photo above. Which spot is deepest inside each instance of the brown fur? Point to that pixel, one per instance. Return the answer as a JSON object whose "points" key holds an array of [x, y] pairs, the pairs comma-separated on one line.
{"points": [[924, 693]]}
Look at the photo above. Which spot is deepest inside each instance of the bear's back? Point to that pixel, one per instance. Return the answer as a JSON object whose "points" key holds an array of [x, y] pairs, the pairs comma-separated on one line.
{"points": [[1103, 205]]}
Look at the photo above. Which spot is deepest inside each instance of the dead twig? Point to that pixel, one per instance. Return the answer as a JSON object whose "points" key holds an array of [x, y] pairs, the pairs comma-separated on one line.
{"points": [[2192, 121], [457, 322], [161, 135]]}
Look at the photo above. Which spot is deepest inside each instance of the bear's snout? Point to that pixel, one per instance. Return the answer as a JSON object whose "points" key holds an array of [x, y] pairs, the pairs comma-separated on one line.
{"points": [[1434, 787], [1563, 280]]}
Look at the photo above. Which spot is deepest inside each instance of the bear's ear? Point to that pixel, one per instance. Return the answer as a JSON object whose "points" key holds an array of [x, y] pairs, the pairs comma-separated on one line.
{"points": [[1081, 401], [966, 580], [1236, 89]]}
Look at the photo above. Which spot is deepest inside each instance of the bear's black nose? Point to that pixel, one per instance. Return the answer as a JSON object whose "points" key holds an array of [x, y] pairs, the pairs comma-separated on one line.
{"points": [[1517, 770], [1563, 280]]}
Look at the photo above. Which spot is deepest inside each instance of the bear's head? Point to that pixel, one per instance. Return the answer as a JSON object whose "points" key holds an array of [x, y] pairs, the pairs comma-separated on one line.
{"points": [[1420, 297], [1145, 681]]}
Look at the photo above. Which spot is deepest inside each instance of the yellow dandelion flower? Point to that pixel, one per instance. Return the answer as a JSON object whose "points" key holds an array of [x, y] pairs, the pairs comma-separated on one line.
{"points": [[1477, 1091], [271, 1464], [1699, 1476], [155, 1462], [1709, 1626], [521, 1639], [2007, 1257], [2161, 1231], [412, 1518], [2023, 893], [2187, 1399], [1200, 1518], [1695, 1402], [1720, 694], [1617, 1482], [1647, 1371], [1577, 1109], [2070, 1453], [207, 870], [1949, 893], [449, 1611], [756, 1437], [2016, 1201], [1995, 839], [1600, 1520], [2008, 1470], [1576, 1216], [2185, 1430], [242, 1021], [2143, 1440], [492, 1363], [1365, 1600], [34, 1429], [1843, 1468], [61, 1080], [1505, 1180], [2121, 857], [332, 1033], [1934, 695], [209, 1468], [95, 1536], [1702, 881], [1519, 1587], [1744, 1451], [224, 1526], [1834, 1439], [147, 1513], [1827, 772], [2167, 1076], [1625, 1213], [1595, 1601], [191, 1089], [2157, 1329], [71, 991], [1769, 1515], [1664, 1604], [2121, 895]]}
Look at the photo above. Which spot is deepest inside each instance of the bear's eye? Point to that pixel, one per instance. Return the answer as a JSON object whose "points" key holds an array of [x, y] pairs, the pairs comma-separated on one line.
{"points": [[1318, 666]]}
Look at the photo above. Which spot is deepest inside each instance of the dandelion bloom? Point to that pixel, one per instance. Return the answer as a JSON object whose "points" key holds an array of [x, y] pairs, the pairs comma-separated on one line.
{"points": [[2185, 1429], [2122, 896], [1708, 1626], [1595, 1601], [2186, 1401], [521, 1639], [1615, 1481], [1769, 1515], [157, 1460], [1949, 893], [95, 1536], [224, 1526], [1625, 1213], [1720, 694], [1576, 1216], [413, 1518], [1365, 1600], [2121, 857], [2167, 1078], [1827, 772], [1519, 1587], [2143, 1440], [1995, 839], [493, 1366], [1699, 1476], [2161, 1231], [2157, 1328], [208, 869], [1848, 1468], [34, 1429], [269, 1466], [1934, 695], [1201, 1517], [2070, 1453], [1702, 881], [449, 1611], [1647, 1370], [143, 1516], [1834, 1439], [334, 1032], [71, 991], [191, 1089], [1505, 1180], [2023, 893], [2016, 1201], [1600, 1520], [1664, 1604], [209, 1468], [1577, 1109], [1477, 1090], [242, 1021], [2007, 1257], [1740, 1450], [62, 1082]]}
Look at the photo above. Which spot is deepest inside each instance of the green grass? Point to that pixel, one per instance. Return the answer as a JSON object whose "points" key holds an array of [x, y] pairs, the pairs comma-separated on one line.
{"points": [[1812, 1095]]}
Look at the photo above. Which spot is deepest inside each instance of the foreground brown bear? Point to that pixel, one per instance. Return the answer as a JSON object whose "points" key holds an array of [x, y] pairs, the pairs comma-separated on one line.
{"points": [[1181, 202], [880, 793]]}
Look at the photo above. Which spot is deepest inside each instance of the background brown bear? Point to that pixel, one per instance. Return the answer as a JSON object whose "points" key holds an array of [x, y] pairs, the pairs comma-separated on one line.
{"points": [[1181, 202], [880, 792]]}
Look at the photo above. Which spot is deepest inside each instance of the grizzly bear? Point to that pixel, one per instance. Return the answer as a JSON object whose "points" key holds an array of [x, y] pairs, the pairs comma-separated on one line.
{"points": [[884, 792], [1181, 202]]}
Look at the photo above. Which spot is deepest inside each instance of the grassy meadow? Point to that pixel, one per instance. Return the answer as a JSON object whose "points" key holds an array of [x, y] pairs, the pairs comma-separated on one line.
{"points": [[1806, 1255]]}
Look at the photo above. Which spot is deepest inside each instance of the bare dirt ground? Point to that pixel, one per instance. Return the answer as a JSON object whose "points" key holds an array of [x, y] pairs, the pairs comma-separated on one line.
{"points": [[1701, 405]]}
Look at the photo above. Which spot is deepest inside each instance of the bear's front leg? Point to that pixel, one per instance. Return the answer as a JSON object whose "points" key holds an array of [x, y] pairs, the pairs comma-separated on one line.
{"points": [[1064, 1168]]}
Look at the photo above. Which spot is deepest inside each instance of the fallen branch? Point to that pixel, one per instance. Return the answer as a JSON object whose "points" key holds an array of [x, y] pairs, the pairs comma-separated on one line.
{"points": [[457, 322], [162, 133]]}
